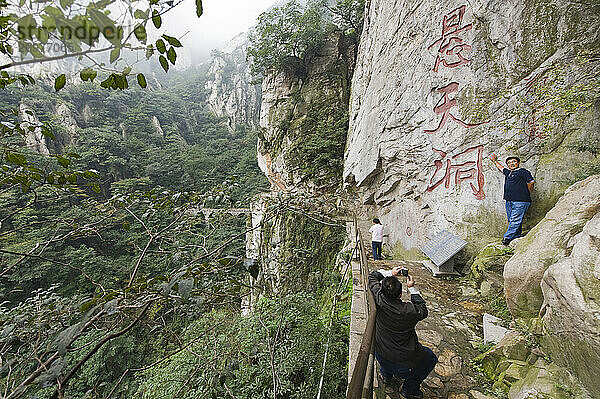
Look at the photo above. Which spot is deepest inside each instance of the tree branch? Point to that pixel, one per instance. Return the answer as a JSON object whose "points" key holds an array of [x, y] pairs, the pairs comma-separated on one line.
{"points": [[84, 274], [59, 391], [55, 58]]}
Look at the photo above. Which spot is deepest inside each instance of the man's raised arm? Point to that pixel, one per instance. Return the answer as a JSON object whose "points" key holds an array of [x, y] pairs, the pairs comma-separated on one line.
{"points": [[494, 159], [375, 278], [416, 298]]}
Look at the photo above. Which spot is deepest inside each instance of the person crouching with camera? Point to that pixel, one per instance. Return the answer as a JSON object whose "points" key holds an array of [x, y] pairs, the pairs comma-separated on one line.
{"points": [[397, 347]]}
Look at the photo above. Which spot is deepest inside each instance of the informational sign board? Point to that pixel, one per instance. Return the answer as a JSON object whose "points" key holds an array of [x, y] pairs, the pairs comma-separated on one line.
{"points": [[443, 247]]}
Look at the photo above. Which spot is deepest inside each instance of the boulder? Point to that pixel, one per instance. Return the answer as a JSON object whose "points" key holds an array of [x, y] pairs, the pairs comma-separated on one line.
{"points": [[546, 244], [571, 291], [546, 380], [513, 347]]}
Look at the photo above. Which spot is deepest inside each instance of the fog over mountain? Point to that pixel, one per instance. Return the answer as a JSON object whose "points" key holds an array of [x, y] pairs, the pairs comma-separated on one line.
{"points": [[222, 21]]}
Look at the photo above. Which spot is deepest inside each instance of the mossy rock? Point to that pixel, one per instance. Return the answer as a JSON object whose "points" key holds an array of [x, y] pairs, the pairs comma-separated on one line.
{"points": [[492, 257], [512, 348], [515, 372], [546, 380], [581, 358]]}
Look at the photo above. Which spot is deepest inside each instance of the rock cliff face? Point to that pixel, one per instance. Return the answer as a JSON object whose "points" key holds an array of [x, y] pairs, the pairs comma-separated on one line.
{"points": [[439, 86], [34, 139], [303, 126], [303, 120], [293, 250], [66, 129], [231, 92]]}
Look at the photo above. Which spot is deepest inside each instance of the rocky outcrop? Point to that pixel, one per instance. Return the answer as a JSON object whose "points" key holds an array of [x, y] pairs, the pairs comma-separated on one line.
{"points": [[67, 121], [34, 139], [291, 249], [548, 243], [65, 131], [439, 86], [571, 309], [303, 119], [157, 127], [231, 92]]}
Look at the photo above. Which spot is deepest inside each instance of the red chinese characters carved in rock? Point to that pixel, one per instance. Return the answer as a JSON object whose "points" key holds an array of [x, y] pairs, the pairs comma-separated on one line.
{"points": [[467, 165], [450, 44], [443, 108]]}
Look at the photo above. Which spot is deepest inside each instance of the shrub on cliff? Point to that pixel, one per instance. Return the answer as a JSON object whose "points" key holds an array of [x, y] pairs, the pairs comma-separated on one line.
{"points": [[286, 36], [289, 31]]}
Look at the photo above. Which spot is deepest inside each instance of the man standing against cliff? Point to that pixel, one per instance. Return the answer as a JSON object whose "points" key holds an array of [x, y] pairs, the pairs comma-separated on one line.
{"points": [[518, 185], [397, 347]]}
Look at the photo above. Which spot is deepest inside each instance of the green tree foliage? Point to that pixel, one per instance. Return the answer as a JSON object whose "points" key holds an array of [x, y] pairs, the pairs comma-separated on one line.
{"points": [[119, 139], [286, 35], [289, 35], [131, 263], [273, 352], [195, 151], [33, 32], [103, 219], [348, 16]]}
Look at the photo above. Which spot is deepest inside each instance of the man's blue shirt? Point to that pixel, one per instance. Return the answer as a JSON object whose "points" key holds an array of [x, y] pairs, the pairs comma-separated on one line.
{"points": [[515, 184]]}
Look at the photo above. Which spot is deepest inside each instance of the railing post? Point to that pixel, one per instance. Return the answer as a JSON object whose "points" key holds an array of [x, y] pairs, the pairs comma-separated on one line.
{"points": [[367, 392], [359, 383]]}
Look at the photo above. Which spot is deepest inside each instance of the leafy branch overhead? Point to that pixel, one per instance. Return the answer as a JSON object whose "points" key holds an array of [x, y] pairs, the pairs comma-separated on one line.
{"points": [[96, 34]]}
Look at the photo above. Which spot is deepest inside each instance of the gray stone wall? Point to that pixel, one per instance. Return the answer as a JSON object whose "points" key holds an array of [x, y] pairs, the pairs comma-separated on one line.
{"points": [[439, 86]]}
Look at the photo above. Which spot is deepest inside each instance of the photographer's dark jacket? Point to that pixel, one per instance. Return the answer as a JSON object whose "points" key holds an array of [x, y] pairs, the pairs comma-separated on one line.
{"points": [[395, 336]]}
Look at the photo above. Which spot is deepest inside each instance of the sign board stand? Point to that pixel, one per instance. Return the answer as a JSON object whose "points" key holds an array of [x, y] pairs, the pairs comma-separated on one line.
{"points": [[441, 250], [446, 269]]}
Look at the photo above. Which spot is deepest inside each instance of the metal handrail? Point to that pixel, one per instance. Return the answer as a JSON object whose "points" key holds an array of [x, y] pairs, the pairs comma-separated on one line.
{"points": [[360, 385]]}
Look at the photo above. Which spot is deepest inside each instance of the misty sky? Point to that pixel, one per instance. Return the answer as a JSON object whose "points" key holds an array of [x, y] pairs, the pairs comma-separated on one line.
{"points": [[222, 20]]}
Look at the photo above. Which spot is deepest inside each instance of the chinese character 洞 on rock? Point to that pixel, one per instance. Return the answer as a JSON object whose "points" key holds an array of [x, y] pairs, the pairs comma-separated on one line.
{"points": [[467, 165], [450, 45], [443, 108]]}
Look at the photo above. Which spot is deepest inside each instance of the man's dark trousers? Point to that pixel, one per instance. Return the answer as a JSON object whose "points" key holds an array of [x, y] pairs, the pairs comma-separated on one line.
{"points": [[515, 211], [413, 377], [376, 250]]}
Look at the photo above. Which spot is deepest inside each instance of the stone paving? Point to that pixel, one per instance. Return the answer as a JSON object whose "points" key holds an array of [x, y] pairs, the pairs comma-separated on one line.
{"points": [[453, 331]]}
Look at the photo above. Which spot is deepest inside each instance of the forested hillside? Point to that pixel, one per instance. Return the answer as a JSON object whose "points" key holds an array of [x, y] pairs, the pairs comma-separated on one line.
{"points": [[111, 220], [124, 215], [157, 140]]}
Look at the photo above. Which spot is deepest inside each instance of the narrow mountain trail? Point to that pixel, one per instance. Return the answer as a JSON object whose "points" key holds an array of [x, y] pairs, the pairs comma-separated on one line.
{"points": [[453, 330]]}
